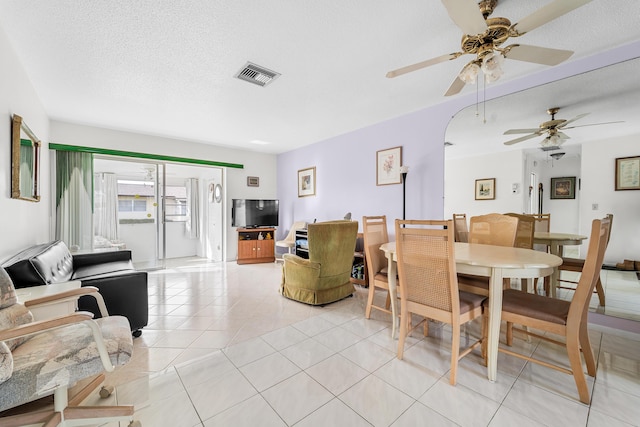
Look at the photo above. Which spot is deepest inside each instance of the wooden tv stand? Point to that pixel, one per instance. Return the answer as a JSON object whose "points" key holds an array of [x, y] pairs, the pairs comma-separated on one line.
{"points": [[252, 249]]}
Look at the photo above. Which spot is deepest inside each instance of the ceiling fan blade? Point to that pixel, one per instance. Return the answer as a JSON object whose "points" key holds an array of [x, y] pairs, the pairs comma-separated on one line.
{"points": [[423, 64], [466, 15], [547, 13], [579, 116], [523, 138], [455, 87], [593, 124], [512, 131], [536, 54]]}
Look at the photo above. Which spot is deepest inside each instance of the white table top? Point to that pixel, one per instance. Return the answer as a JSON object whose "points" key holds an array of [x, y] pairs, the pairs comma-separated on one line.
{"points": [[543, 236], [506, 257]]}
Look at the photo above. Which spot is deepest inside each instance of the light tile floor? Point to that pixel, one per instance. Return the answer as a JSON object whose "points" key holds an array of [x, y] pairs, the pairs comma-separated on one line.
{"points": [[223, 348]]}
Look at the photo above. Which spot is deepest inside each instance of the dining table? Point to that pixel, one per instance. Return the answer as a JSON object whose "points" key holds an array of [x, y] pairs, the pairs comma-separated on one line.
{"points": [[555, 242], [495, 262]]}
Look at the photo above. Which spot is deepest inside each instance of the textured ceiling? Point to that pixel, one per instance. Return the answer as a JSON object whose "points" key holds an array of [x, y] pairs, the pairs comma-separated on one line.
{"points": [[166, 67]]}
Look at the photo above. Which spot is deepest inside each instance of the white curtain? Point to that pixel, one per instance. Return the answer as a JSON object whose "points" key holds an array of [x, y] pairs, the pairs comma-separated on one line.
{"points": [[105, 201], [74, 172], [193, 209]]}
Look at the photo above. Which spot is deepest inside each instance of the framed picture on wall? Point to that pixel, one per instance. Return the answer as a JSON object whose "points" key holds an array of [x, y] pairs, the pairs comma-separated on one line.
{"points": [[388, 163], [628, 173], [307, 182], [486, 189], [563, 188]]}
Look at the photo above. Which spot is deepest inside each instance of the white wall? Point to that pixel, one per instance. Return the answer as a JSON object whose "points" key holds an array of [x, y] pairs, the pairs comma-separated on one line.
{"points": [[255, 164], [140, 240], [598, 186], [178, 242], [565, 214], [459, 184], [23, 223]]}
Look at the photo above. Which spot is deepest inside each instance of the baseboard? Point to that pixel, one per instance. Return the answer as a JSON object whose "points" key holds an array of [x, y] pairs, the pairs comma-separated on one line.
{"points": [[617, 323]]}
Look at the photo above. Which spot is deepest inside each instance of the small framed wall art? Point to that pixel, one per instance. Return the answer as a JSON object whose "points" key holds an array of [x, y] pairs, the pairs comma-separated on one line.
{"points": [[563, 188], [388, 163], [307, 182], [628, 173], [253, 181], [486, 189]]}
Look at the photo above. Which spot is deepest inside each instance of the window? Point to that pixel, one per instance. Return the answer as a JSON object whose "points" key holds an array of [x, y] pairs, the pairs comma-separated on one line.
{"points": [[132, 205], [136, 199], [175, 203]]}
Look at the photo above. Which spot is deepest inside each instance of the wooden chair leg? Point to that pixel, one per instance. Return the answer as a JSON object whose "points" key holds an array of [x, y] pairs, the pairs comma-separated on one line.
{"points": [[372, 294], [587, 350], [509, 334], [455, 352], [547, 285], [573, 350], [485, 329], [600, 291]]}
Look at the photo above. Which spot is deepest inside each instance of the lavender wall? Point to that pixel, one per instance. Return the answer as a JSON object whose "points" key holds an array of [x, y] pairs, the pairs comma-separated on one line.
{"points": [[345, 164], [346, 172]]}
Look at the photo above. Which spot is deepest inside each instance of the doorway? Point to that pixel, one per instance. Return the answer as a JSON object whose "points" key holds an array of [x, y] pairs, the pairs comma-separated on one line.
{"points": [[163, 210]]}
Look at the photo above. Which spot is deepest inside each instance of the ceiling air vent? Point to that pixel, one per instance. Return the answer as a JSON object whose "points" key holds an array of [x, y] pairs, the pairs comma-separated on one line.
{"points": [[256, 74]]}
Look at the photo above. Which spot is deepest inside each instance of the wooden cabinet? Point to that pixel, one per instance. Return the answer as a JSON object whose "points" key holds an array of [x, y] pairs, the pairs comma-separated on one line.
{"points": [[256, 245]]}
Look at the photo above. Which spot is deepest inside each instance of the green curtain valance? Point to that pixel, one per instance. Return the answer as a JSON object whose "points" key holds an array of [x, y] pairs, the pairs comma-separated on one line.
{"points": [[161, 157]]}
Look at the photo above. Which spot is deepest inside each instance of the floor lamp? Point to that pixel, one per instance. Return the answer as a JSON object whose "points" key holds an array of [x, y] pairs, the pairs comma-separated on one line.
{"points": [[403, 171]]}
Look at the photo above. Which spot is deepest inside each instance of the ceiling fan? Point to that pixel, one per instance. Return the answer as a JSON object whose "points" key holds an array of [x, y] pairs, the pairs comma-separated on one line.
{"points": [[552, 128], [483, 37]]}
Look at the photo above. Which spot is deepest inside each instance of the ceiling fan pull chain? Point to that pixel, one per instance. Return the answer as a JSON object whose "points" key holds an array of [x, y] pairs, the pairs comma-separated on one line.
{"points": [[477, 99], [484, 100]]}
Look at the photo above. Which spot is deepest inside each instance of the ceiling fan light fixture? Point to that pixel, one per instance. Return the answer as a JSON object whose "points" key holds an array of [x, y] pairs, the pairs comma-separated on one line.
{"points": [[491, 62], [557, 156], [492, 66], [469, 73], [494, 75], [552, 141]]}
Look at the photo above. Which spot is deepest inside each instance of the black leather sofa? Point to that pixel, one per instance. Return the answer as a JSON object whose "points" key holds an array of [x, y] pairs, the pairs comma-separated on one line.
{"points": [[123, 288]]}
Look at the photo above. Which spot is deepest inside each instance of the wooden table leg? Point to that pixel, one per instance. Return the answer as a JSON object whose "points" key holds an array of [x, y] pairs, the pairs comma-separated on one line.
{"points": [[391, 275], [495, 314]]}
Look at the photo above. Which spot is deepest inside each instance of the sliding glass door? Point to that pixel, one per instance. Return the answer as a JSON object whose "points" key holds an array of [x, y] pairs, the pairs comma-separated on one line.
{"points": [[158, 210]]}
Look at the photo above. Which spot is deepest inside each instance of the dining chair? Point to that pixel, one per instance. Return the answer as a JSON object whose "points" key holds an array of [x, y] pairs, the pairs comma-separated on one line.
{"points": [[542, 224], [577, 265], [289, 241], [427, 274], [524, 239], [491, 229], [524, 231], [460, 228], [565, 318], [374, 233]]}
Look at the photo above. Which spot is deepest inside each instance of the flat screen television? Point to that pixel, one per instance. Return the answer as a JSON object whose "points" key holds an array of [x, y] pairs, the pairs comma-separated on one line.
{"points": [[252, 213]]}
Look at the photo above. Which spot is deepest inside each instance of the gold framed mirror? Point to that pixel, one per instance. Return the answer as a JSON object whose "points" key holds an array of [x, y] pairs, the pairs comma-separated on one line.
{"points": [[25, 162]]}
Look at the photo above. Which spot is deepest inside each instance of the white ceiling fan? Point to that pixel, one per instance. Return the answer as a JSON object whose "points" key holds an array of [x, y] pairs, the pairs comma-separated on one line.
{"points": [[483, 37], [552, 128]]}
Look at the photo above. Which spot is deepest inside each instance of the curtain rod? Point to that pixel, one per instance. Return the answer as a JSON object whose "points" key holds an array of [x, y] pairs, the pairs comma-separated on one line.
{"points": [[93, 150]]}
